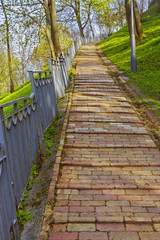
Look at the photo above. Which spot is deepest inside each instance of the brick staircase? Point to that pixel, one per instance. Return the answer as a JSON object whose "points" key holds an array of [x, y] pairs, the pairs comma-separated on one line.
{"points": [[109, 182]]}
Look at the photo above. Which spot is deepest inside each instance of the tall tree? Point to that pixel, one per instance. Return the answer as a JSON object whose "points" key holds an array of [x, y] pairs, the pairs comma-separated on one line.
{"points": [[8, 48], [37, 12], [137, 19], [51, 26]]}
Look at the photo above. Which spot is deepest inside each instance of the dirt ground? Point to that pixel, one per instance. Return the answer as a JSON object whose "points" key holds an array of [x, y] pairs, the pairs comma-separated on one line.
{"points": [[36, 197]]}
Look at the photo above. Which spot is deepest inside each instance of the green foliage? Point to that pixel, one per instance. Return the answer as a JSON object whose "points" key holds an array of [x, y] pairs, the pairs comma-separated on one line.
{"points": [[23, 216], [117, 49], [48, 135], [72, 72], [34, 170]]}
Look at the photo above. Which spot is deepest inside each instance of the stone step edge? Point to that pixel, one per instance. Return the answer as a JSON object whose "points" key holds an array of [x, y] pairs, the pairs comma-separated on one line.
{"points": [[117, 112], [108, 187], [94, 84], [83, 164], [107, 146], [81, 91], [108, 132], [102, 121], [101, 100], [99, 105], [78, 98], [109, 220]]}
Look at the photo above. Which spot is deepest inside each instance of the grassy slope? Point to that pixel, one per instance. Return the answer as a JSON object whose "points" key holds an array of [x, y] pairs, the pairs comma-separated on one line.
{"points": [[117, 49]]}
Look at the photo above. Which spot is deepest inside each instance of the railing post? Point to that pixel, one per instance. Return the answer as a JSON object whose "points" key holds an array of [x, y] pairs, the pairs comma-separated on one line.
{"points": [[38, 116], [63, 69]]}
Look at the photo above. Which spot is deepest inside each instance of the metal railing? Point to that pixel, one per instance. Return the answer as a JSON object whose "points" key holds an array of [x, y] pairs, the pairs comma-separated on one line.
{"points": [[22, 135]]}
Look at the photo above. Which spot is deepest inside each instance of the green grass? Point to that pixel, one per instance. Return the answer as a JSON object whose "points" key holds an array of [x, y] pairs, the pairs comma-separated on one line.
{"points": [[117, 49]]}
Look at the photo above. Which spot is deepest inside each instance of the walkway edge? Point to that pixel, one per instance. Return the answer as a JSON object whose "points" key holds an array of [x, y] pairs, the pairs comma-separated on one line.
{"points": [[51, 193]]}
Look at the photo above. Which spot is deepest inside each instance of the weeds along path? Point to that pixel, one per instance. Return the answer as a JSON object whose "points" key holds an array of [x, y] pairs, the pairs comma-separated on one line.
{"points": [[108, 186]]}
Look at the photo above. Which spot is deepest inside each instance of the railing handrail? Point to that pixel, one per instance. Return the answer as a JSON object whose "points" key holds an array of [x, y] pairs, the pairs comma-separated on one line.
{"points": [[41, 71], [31, 97]]}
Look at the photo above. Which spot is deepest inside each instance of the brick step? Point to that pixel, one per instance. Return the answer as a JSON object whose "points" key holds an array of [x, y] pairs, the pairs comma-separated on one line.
{"points": [[73, 120], [94, 85], [101, 109], [82, 186], [91, 80], [107, 205], [117, 157], [94, 94], [91, 100], [123, 111], [79, 177], [90, 84], [83, 131], [98, 87], [94, 91], [86, 99], [98, 81], [112, 128], [98, 92], [104, 146], [106, 100], [112, 157], [106, 231], [60, 218], [111, 117], [105, 105], [103, 140]]}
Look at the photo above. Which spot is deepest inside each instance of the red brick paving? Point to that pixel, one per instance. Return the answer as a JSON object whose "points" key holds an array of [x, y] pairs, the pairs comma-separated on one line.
{"points": [[109, 181]]}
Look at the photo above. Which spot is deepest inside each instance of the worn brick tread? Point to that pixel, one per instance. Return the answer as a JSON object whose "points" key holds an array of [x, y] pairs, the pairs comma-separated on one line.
{"points": [[109, 181]]}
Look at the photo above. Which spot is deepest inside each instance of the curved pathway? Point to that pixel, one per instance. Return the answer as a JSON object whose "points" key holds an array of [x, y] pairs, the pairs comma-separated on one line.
{"points": [[109, 182]]}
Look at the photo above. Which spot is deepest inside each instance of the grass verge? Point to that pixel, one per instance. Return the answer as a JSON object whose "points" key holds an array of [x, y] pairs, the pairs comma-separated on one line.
{"points": [[117, 49]]}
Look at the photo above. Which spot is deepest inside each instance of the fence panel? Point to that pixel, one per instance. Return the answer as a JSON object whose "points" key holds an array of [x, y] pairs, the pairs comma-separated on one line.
{"points": [[20, 136], [44, 90], [8, 219]]}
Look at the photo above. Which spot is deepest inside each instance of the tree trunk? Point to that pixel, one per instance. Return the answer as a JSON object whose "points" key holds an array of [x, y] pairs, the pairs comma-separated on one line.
{"points": [[77, 13], [138, 31], [48, 33], [137, 18], [91, 28], [128, 14], [8, 50], [54, 29]]}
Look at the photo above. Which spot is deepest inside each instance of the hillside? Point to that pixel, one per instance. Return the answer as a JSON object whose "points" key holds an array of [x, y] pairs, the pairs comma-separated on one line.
{"points": [[117, 49]]}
